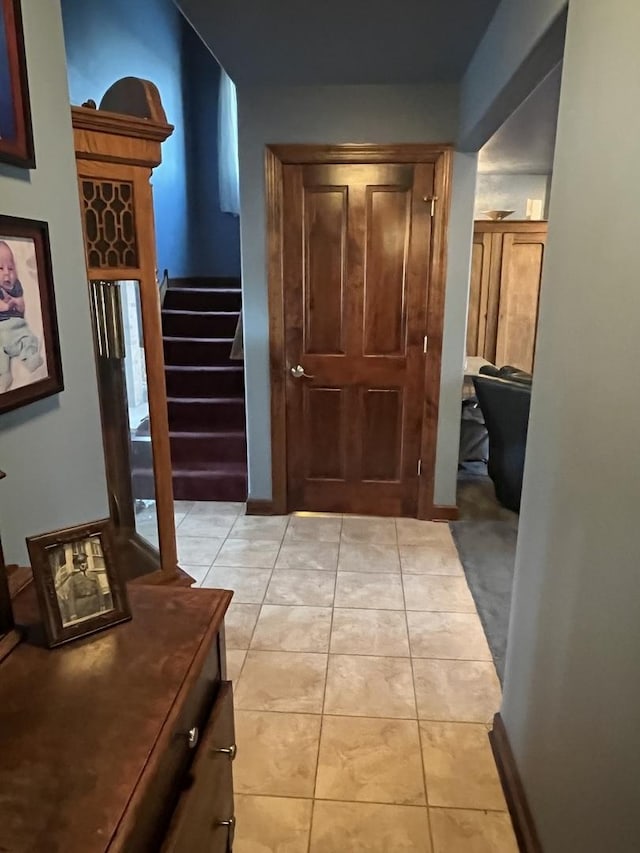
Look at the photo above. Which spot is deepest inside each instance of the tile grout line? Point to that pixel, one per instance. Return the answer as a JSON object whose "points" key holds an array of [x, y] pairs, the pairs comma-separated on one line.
{"points": [[324, 692], [313, 811], [365, 716], [374, 803], [257, 568], [415, 699], [221, 539], [273, 568]]}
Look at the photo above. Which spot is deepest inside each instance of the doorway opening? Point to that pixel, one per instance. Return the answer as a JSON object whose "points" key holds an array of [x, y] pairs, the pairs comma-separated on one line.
{"points": [[510, 230]]}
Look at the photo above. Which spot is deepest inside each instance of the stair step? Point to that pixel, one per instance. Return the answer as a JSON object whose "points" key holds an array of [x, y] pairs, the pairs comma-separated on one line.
{"points": [[189, 381], [203, 299], [205, 391], [199, 324], [208, 282], [205, 414], [223, 484], [193, 351], [194, 450]]}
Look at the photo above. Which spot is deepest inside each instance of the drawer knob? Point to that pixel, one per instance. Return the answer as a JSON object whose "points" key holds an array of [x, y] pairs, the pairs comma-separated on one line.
{"points": [[231, 822], [231, 751], [193, 736]]}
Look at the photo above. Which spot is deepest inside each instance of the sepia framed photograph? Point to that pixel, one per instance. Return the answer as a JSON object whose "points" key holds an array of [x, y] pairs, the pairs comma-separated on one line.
{"points": [[16, 135], [30, 363], [77, 581]]}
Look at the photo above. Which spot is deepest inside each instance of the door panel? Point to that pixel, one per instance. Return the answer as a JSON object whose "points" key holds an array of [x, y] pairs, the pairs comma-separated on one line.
{"points": [[387, 234], [356, 257], [522, 256], [325, 220], [478, 294], [324, 416], [382, 440]]}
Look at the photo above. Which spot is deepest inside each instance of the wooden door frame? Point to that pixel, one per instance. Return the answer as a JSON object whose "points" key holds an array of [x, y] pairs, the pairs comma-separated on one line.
{"points": [[278, 156]]}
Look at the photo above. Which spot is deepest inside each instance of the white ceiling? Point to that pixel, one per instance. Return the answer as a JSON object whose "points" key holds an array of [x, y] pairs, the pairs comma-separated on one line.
{"points": [[525, 143], [293, 42]]}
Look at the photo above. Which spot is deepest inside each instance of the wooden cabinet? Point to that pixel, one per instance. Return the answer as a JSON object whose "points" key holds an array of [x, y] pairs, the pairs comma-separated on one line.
{"points": [[122, 742], [204, 818], [506, 269]]}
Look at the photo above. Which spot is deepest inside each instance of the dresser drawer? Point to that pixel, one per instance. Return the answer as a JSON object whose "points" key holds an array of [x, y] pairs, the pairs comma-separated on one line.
{"points": [[155, 810], [204, 818]]}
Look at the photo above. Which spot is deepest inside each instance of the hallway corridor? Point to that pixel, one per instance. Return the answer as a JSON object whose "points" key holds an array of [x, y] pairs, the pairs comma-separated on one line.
{"points": [[364, 686]]}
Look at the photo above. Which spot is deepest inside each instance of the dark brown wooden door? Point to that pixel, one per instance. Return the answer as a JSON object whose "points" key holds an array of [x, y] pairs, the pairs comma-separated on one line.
{"points": [[357, 245]]}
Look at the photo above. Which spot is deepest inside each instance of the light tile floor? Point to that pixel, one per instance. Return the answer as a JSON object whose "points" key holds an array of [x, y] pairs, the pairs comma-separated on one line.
{"points": [[364, 686]]}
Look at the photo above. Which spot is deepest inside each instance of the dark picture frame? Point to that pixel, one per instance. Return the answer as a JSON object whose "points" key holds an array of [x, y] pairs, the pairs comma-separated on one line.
{"points": [[30, 362], [16, 133], [77, 581]]}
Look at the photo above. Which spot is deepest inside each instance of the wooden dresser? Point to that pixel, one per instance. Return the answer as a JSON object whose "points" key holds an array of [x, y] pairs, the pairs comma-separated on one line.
{"points": [[506, 270], [123, 741]]}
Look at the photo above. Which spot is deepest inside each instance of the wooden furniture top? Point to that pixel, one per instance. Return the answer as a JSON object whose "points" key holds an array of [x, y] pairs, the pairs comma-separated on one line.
{"points": [[79, 724], [511, 225], [128, 128]]}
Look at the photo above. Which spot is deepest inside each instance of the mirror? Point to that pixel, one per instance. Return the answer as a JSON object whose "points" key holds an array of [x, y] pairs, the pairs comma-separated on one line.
{"points": [[137, 402], [124, 397]]}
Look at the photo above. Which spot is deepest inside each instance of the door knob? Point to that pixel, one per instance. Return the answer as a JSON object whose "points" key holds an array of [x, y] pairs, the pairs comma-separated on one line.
{"points": [[298, 372], [231, 751]]}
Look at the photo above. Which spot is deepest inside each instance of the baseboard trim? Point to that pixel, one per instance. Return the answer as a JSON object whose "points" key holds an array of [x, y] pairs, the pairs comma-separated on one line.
{"points": [[260, 507], [257, 506], [444, 512], [521, 817]]}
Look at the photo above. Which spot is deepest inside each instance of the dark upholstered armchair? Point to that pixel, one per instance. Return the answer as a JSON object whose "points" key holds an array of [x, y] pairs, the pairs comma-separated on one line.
{"points": [[505, 406]]}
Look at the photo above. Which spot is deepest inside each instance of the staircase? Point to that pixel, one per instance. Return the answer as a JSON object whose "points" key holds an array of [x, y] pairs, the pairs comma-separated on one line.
{"points": [[205, 390]]}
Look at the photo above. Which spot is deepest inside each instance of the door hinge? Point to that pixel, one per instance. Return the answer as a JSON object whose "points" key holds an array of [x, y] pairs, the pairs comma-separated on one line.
{"points": [[431, 199], [419, 467], [425, 343]]}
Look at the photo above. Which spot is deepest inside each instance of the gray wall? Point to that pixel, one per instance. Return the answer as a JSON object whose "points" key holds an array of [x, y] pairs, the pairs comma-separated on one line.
{"points": [[509, 192], [459, 241], [337, 115], [52, 449], [572, 687], [522, 44]]}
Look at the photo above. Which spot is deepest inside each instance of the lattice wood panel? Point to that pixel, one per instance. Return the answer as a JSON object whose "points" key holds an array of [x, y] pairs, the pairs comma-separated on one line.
{"points": [[110, 227]]}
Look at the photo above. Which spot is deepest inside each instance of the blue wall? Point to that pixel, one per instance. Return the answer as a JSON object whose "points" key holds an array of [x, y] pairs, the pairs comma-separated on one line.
{"points": [[214, 236], [109, 39]]}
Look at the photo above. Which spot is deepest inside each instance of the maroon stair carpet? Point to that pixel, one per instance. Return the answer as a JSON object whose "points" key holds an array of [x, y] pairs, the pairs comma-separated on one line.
{"points": [[205, 390]]}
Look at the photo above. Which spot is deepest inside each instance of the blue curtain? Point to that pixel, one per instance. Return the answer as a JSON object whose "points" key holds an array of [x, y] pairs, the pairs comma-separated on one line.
{"points": [[228, 168]]}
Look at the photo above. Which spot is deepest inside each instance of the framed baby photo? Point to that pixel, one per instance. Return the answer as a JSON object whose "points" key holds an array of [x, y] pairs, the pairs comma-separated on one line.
{"points": [[30, 364], [16, 137], [77, 581]]}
